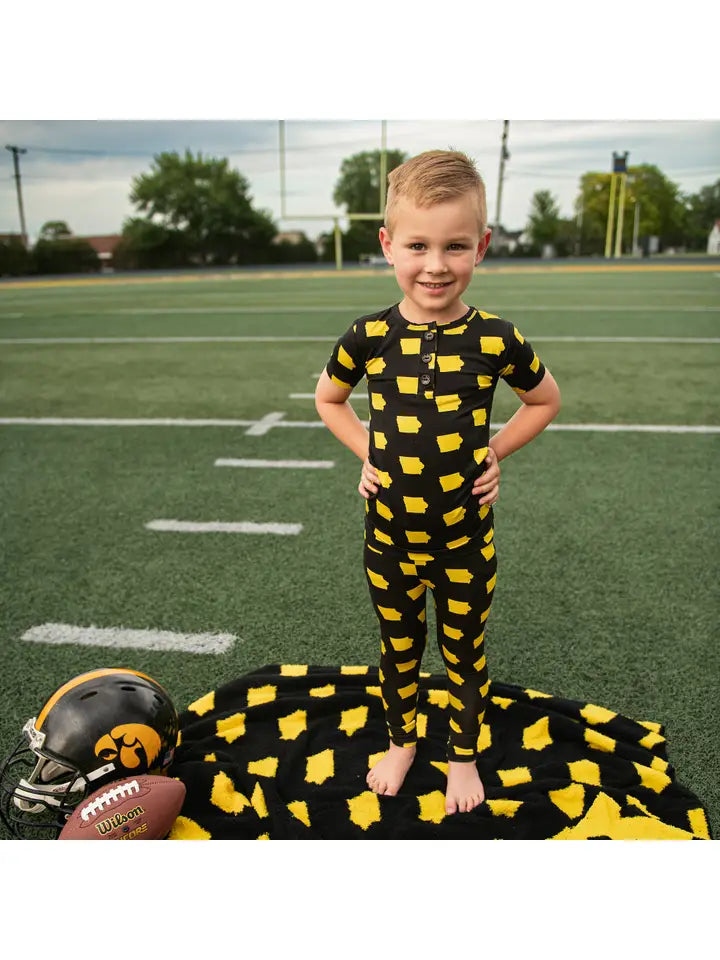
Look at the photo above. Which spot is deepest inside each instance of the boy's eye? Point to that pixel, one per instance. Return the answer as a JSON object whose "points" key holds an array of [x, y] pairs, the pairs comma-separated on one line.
{"points": [[417, 246], [456, 246]]}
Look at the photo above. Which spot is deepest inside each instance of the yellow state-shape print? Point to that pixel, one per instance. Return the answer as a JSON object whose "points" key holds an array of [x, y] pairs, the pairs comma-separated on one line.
{"points": [[389, 613], [353, 719], [258, 695], [502, 702], [484, 740], [455, 331], [377, 579], [384, 478], [184, 828], [413, 465], [377, 401], [409, 569], [380, 439], [456, 703], [376, 365], [489, 551], [298, 808], [504, 808], [454, 516], [204, 704], [477, 642], [460, 542], [480, 454], [571, 800], [449, 657], [507, 370], [422, 725], [518, 335], [415, 504], [652, 779], [417, 536], [447, 402], [404, 667], [376, 328], [340, 383], [258, 801], [401, 643], [459, 606], [459, 575], [364, 809], [327, 691], [448, 442], [410, 345], [535, 365], [320, 767], [407, 384], [585, 771], [383, 511], [479, 416], [345, 359], [494, 345], [408, 691], [515, 776], [455, 677], [420, 558], [415, 592], [451, 481], [432, 807], [293, 670], [480, 664], [450, 364], [438, 698], [488, 316], [230, 728], [267, 767], [651, 739], [292, 725], [599, 741], [537, 735], [354, 670], [210, 758], [225, 797], [518, 390], [490, 585], [484, 381], [407, 424], [383, 537]]}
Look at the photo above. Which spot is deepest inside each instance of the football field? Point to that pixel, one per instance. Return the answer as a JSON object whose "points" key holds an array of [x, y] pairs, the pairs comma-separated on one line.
{"points": [[172, 503]]}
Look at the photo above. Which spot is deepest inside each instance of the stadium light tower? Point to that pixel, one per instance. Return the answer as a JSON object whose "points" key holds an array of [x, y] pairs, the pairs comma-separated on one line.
{"points": [[15, 152], [504, 155], [619, 172]]}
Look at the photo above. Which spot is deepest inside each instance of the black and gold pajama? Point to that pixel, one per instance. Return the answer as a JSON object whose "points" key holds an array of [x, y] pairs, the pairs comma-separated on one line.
{"points": [[430, 388]]}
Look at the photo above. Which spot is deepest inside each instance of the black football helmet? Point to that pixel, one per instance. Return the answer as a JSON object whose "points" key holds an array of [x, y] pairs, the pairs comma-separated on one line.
{"points": [[99, 727]]}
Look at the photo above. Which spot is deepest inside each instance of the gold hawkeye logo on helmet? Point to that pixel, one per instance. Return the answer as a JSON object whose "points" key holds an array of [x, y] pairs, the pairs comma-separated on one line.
{"points": [[125, 742]]}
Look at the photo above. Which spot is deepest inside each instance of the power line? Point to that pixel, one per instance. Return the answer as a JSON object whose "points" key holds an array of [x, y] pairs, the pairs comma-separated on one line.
{"points": [[16, 151]]}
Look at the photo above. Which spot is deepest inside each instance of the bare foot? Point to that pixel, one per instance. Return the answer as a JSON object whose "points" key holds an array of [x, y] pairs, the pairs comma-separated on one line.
{"points": [[464, 788], [387, 776]]}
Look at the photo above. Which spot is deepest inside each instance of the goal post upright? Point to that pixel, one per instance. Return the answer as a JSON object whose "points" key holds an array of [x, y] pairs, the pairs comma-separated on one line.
{"points": [[335, 217]]}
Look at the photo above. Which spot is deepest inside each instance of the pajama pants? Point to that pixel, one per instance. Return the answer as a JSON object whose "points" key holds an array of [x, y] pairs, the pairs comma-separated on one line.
{"points": [[462, 583]]}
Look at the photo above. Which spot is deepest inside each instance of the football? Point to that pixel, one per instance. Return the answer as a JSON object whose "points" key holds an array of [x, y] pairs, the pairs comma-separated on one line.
{"points": [[136, 808]]}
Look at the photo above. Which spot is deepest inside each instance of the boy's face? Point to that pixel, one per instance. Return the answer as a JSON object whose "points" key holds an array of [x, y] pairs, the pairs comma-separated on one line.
{"points": [[434, 251]]}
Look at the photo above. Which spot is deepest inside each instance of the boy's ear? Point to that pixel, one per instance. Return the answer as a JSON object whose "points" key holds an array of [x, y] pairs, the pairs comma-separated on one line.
{"points": [[386, 244], [482, 246]]}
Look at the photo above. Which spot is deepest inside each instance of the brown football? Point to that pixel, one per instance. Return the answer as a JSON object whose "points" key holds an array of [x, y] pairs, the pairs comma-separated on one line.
{"points": [[136, 808]]}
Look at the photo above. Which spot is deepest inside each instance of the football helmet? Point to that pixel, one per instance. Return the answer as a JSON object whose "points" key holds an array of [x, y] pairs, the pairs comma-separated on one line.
{"points": [[99, 727]]}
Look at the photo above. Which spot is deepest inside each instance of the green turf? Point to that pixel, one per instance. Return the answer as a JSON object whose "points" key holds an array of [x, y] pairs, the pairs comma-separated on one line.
{"points": [[607, 587]]}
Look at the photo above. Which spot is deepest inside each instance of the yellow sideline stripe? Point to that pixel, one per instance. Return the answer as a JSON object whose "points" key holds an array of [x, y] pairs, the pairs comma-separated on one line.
{"points": [[319, 274]]}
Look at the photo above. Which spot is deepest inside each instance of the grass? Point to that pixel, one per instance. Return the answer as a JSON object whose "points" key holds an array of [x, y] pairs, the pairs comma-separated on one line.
{"points": [[607, 586]]}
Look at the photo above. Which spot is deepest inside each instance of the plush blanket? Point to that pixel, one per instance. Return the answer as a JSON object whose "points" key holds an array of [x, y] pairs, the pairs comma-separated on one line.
{"points": [[282, 754]]}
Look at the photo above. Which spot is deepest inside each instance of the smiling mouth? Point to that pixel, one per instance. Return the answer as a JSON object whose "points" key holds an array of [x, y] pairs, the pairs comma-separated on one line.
{"points": [[435, 286]]}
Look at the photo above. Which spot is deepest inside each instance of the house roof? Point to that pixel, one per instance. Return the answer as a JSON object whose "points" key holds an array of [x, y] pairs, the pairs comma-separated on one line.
{"points": [[104, 244]]}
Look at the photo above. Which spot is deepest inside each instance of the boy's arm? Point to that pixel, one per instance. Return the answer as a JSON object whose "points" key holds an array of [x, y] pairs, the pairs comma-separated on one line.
{"points": [[331, 403], [540, 407]]}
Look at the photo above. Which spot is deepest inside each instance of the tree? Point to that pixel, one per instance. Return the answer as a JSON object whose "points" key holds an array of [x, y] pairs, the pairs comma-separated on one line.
{"points": [[146, 245], [544, 220], [66, 255], [702, 209], [15, 259], [662, 211], [208, 203], [358, 190], [54, 230]]}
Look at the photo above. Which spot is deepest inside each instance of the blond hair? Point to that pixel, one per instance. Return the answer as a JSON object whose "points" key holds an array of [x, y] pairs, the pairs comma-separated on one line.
{"points": [[434, 177]]}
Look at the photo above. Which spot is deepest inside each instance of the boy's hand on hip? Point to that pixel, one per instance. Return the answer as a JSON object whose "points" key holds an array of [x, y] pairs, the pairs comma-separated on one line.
{"points": [[487, 485], [369, 480]]}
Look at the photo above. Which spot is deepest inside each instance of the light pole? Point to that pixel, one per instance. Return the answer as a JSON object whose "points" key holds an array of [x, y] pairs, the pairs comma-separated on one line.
{"points": [[15, 152]]}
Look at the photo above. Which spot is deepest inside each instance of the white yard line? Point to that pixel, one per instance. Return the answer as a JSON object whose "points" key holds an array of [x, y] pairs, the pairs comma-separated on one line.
{"points": [[267, 423], [291, 464], [354, 397], [217, 526], [49, 341], [63, 633]]}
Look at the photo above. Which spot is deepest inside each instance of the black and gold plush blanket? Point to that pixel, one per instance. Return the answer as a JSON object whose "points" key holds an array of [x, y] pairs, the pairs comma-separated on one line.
{"points": [[282, 754]]}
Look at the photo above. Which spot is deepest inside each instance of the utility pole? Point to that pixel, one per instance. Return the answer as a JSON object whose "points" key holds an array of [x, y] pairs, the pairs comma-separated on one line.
{"points": [[15, 152], [504, 155]]}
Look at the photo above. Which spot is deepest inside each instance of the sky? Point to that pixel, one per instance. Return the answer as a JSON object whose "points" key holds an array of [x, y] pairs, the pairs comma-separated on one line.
{"points": [[81, 171], [577, 85]]}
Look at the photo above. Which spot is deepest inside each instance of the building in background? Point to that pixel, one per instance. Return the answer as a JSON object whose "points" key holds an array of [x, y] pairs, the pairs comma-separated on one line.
{"points": [[713, 245], [104, 247]]}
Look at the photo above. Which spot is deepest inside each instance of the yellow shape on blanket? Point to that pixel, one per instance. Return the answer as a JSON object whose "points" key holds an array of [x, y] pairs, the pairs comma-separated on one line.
{"points": [[267, 767], [225, 796], [438, 698], [258, 801], [585, 771], [432, 807], [504, 808], [292, 725], [354, 670], [570, 800], [364, 809], [652, 779], [298, 808], [320, 767], [258, 695], [514, 776], [353, 719], [186, 829], [599, 741], [230, 728], [204, 704], [294, 670], [594, 714]]}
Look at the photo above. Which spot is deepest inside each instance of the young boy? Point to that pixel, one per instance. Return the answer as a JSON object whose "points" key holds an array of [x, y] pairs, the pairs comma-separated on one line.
{"points": [[432, 364]]}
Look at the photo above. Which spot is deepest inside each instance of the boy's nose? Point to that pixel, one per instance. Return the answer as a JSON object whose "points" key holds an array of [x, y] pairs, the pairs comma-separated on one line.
{"points": [[435, 262]]}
